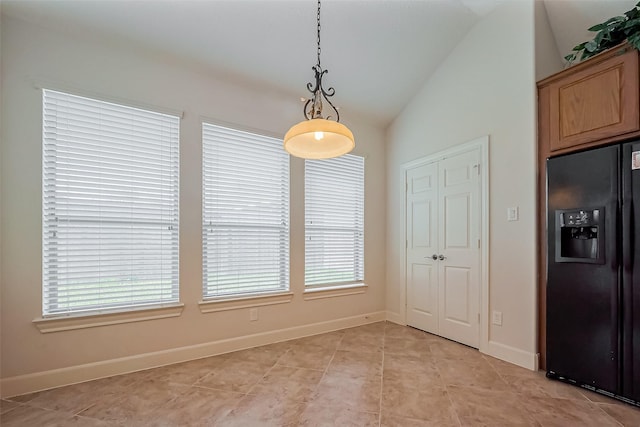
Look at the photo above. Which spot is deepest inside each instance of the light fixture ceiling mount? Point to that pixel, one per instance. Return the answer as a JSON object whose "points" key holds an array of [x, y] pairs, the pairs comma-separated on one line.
{"points": [[318, 137]]}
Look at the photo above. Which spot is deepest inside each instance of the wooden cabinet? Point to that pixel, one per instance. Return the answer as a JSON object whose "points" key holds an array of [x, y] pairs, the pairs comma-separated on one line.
{"points": [[592, 101], [591, 104]]}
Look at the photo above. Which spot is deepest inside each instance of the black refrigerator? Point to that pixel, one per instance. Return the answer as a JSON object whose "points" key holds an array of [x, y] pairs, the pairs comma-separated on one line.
{"points": [[593, 270]]}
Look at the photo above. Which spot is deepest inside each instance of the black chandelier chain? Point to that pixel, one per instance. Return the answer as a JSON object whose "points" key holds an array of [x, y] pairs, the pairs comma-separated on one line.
{"points": [[313, 107], [319, 50]]}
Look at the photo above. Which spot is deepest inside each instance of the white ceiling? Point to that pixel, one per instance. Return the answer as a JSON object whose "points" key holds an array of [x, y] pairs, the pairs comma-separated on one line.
{"points": [[378, 53]]}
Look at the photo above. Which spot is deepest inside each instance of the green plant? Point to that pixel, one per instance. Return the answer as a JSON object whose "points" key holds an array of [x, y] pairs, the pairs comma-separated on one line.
{"points": [[610, 33]]}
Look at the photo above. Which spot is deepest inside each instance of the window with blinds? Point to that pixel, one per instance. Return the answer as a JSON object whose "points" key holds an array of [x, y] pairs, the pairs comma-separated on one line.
{"points": [[110, 206], [245, 212], [334, 221]]}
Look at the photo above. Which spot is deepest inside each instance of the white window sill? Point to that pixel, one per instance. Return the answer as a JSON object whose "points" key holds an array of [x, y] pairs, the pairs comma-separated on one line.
{"points": [[81, 321], [237, 302], [334, 291]]}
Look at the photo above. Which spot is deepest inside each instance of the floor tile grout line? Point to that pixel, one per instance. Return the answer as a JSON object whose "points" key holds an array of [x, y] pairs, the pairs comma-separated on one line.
{"points": [[446, 387], [607, 414], [6, 412], [299, 367], [324, 372], [245, 394], [500, 375], [384, 336], [214, 371], [265, 374], [29, 404], [187, 388], [84, 409]]}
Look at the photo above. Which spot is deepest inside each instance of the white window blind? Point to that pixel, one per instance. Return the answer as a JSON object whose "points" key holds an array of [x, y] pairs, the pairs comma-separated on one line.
{"points": [[334, 221], [110, 205], [245, 211]]}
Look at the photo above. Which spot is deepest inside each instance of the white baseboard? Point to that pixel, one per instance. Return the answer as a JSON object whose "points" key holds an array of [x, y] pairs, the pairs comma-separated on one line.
{"points": [[513, 355], [395, 318], [38, 381], [495, 349]]}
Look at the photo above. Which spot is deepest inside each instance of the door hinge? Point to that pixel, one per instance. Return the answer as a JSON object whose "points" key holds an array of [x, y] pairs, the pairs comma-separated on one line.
{"points": [[406, 244], [478, 317], [478, 243], [477, 167]]}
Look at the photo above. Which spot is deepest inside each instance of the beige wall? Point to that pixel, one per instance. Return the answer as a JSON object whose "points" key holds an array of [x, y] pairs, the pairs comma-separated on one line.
{"points": [[36, 57], [548, 58], [485, 87], [1, 139]]}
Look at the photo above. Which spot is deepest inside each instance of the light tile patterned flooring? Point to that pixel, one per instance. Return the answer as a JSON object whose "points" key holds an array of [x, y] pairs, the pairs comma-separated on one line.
{"points": [[380, 374]]}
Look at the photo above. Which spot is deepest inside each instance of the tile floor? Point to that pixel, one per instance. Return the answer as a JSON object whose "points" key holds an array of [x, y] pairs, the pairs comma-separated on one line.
{"points": [[380, 374]]}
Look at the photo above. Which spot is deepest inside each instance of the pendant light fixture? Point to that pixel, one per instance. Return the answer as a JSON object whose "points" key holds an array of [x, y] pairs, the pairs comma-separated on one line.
{"points": [[318, 137]]}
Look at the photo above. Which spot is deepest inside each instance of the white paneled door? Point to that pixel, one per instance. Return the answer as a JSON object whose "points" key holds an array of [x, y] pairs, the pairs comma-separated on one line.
{"points": [[443, 247], [422, 244]]}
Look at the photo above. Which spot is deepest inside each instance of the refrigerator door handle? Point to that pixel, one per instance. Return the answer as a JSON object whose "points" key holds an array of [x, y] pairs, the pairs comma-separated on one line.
{"points": [[627, 232], [611, 248]]}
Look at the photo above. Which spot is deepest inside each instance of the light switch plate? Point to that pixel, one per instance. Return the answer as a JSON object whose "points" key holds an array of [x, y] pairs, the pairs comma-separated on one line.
{"points": [[253, 314], [497, 318], [512, 214]]}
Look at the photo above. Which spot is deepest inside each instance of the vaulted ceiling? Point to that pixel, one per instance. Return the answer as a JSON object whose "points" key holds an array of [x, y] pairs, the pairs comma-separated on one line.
{"points": [[378, 53]]}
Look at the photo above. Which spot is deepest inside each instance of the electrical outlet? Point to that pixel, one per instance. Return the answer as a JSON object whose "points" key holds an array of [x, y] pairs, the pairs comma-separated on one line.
{"points": [[253, 314], [497, 318], [512, 214]]}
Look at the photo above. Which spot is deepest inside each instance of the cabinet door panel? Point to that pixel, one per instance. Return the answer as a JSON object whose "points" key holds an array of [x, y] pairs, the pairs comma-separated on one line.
{"points": [[594, 103]]}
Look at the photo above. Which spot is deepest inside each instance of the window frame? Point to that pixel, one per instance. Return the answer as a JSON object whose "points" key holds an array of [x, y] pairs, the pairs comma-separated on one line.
{"points": [[277, 294], [356, 284], [167, 132]]}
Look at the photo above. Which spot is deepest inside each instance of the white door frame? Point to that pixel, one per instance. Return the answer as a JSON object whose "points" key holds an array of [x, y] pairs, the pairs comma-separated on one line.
{"points": [[483, 144]]}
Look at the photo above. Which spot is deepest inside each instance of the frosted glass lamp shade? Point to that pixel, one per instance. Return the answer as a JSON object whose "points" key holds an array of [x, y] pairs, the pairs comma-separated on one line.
{"points": [[318, 139]]}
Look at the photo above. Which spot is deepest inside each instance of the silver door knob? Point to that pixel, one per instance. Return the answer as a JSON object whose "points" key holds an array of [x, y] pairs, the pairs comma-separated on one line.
{"points": [[441, 257]]}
